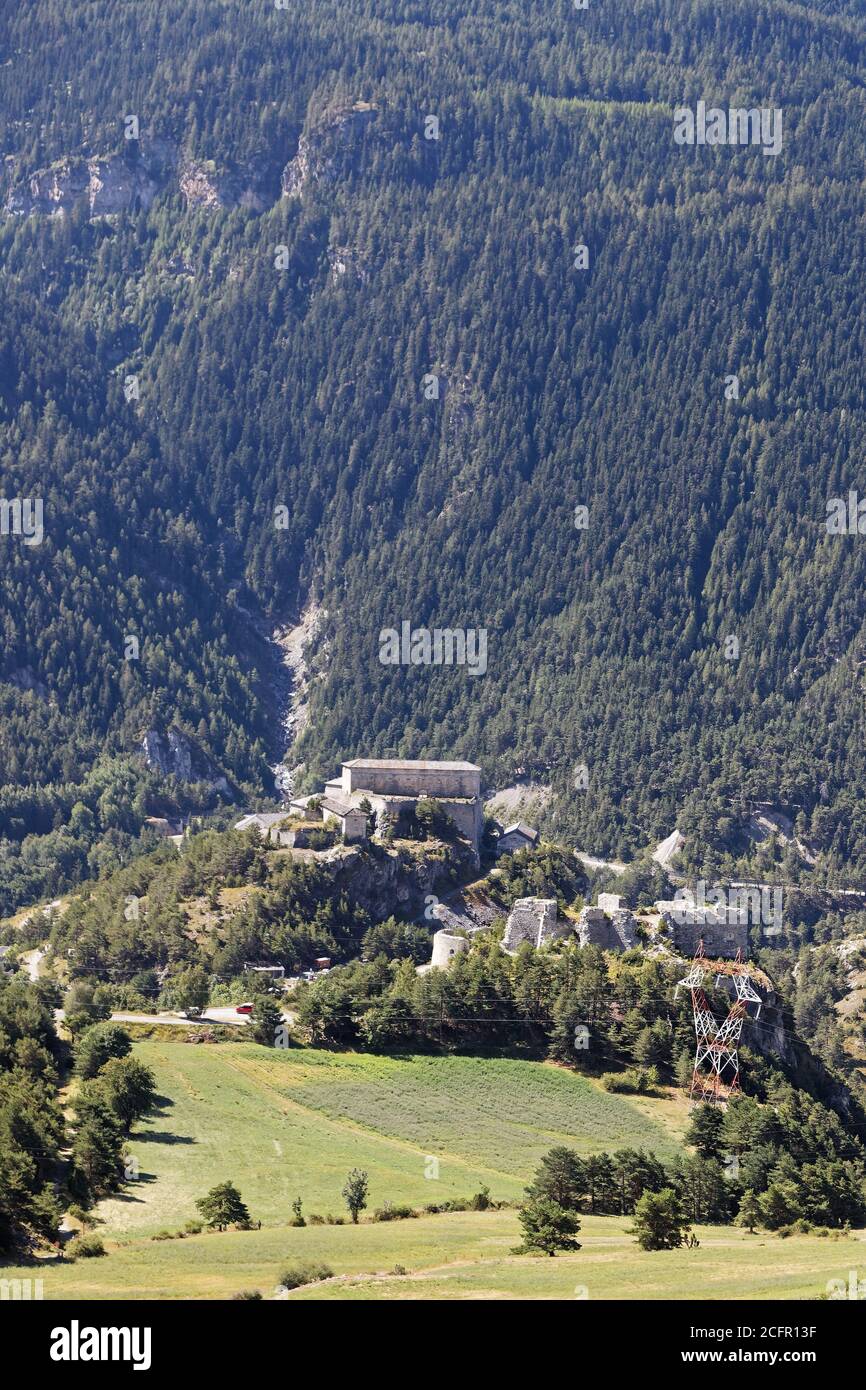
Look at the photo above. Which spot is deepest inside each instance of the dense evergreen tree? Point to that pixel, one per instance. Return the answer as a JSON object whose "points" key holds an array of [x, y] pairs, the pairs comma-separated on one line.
{"points": [[301, 388]]}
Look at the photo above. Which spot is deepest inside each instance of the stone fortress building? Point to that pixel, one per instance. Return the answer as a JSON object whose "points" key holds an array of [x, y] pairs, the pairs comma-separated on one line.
{"points": [[395, 786]]}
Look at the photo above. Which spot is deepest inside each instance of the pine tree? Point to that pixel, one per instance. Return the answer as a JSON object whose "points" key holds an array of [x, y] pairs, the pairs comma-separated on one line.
{"points": [[547, 1227], [223, 1206], [749, 1214], [660, 1223]]}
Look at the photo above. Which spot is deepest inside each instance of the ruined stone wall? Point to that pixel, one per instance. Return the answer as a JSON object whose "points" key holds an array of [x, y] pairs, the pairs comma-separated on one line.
{"points": [[535, 920], [721, 939], [466, 815], [614, 932]]}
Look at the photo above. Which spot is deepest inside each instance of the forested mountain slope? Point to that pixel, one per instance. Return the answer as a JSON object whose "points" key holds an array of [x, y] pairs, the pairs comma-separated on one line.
{"points": [[282, 258]]}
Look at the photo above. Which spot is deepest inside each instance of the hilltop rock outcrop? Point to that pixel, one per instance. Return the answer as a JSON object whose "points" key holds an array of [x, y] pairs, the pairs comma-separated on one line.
{"points": [[385, 881], [331, 149]]}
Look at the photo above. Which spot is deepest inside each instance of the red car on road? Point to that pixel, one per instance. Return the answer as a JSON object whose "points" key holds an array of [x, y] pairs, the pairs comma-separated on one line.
{"points": [[244, 1009]]}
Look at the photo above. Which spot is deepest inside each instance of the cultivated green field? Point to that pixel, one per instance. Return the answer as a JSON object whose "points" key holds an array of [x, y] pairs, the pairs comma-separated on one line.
{"points": [[283, 1124], [456, 1256]]}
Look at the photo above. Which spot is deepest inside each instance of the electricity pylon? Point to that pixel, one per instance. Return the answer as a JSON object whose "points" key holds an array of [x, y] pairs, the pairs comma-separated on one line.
{"points": [[716, 1074]]}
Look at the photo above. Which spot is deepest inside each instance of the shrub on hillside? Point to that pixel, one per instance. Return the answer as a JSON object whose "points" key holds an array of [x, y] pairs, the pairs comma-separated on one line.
{"points": [[393, 1212], [480, 1201], [85, 1248], [78, 1213], [299, 1275], [633, 1081]]}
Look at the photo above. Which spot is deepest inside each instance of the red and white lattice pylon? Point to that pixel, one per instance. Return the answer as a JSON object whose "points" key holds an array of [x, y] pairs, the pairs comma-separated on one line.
{"points": [[716, 1074]]}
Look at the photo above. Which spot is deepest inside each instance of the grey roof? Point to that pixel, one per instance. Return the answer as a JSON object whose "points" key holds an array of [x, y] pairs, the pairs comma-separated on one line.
{"points": [[339, 808], [408, 765], [522, 828], [266, 818]]}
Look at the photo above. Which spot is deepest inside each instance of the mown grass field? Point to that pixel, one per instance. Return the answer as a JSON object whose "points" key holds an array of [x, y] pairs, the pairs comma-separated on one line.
{"points": [[286, 1124], [460, 1255]]}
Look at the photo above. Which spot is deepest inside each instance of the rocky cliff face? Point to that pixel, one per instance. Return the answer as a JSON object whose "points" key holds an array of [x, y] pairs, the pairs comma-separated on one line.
{"points": [[204, 184], [116, 183], [395, 881], [330, 150], [109, 185], [128, 182], [174, 754]]}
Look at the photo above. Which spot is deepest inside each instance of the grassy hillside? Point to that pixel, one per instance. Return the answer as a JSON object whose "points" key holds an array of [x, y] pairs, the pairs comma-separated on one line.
{"points": [[459, 1255], [283, 1124], [286, 1123]]}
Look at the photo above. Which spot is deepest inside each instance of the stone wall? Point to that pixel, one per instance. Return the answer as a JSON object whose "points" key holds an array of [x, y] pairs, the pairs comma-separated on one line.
{"points": [[613, 932], [535, 920], [721, 939], [466, 815], [412, 779]]}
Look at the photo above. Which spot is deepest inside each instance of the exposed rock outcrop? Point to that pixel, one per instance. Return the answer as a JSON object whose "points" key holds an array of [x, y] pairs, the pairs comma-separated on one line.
{"points": [[330, 150], [346, 265], [175, 754], [205, 184], [462, 913], [388, 881], [128, 182], [109, 184]]}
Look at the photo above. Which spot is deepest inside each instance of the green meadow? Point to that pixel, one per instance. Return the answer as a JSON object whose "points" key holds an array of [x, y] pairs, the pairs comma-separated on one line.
{"points": [[282, 1124], [459, 1255], [287, 1124]]}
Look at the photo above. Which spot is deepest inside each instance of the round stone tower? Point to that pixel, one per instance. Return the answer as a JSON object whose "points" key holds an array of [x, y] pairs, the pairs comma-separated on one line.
{"points": [[446, 946]]}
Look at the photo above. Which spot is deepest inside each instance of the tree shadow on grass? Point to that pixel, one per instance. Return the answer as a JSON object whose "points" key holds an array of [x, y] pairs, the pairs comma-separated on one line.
{"points": [[128, 1194], [162, 1136]]}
